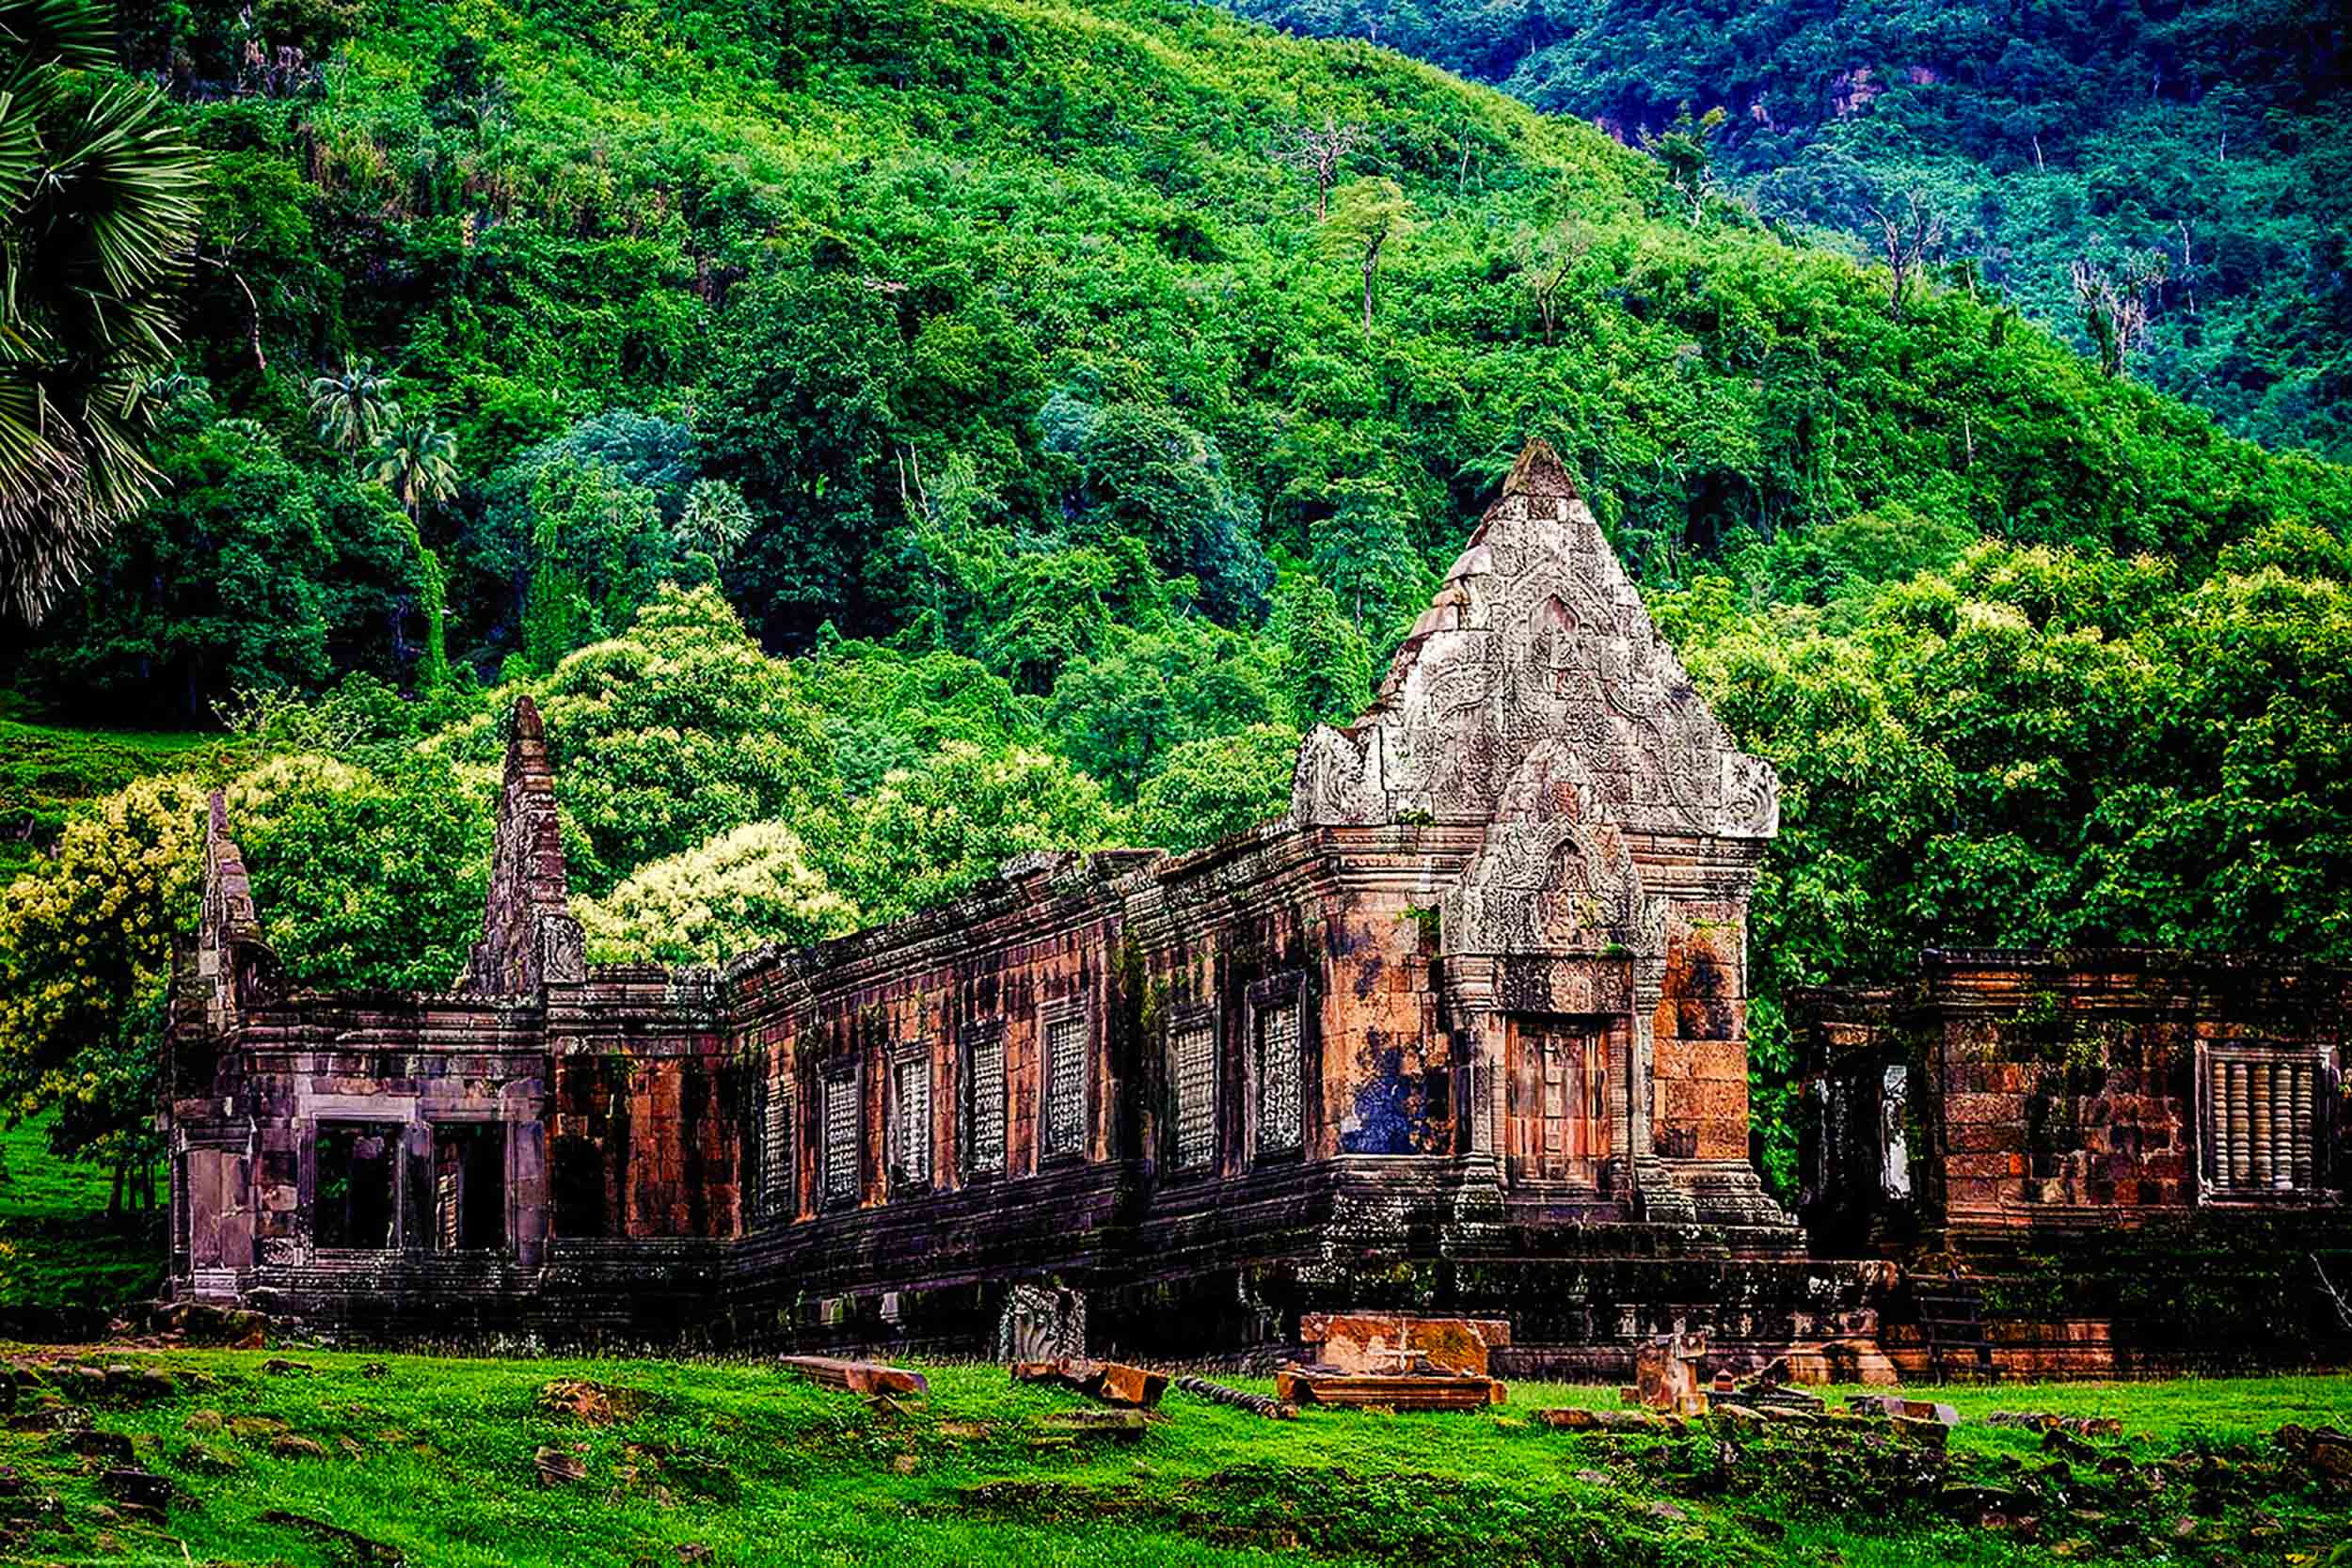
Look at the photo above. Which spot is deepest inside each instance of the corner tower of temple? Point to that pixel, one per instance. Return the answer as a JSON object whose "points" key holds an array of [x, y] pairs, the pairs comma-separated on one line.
{"points": [[1622, 829], [528, 935], [232, 960]]}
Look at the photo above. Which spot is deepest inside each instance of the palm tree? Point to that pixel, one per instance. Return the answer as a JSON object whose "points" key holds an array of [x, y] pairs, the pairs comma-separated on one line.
{"points": [[416, 461], [355, 406], [99, 203]]}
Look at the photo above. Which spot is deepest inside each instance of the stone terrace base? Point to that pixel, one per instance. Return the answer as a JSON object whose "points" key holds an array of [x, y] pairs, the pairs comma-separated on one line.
{"points": [[2208, 1292]]}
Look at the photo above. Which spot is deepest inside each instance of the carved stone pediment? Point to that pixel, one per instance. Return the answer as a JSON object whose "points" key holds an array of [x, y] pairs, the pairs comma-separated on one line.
{"points": [[1538, 645]]}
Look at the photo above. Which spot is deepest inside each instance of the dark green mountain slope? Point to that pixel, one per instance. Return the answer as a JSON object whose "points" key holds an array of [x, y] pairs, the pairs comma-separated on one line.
{"points": [[2207, 137]]}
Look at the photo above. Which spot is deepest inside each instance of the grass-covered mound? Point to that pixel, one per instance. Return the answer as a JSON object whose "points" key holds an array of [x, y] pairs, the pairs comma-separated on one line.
{"points": [[269, 1456]]}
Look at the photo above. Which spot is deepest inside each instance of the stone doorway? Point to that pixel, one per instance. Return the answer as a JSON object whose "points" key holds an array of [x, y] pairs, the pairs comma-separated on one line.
{"points": [[1556, 1121]]}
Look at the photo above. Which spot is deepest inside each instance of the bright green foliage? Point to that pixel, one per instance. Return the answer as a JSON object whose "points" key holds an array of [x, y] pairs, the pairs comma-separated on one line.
{"points": [[1323, 662], [740, 890], [931, 830], [364, 877], [1119, 711], [885, 710], [597, 548], [674, 732], [84, 941], [1217, 786]]}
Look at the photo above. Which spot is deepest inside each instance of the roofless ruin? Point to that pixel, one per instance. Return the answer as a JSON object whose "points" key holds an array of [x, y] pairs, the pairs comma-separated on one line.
{"points": [[1463, 1032]]}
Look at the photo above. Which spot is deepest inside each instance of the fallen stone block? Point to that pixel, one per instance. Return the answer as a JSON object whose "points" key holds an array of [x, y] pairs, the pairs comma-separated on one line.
{"points": [[1240, 1399], [1101, 1426], [558, 1467], [350, 1546], [1306, 1386], [1111, 1382], [135, 1487], [1896, 1404], [1577, 1419], [859, 1377]]}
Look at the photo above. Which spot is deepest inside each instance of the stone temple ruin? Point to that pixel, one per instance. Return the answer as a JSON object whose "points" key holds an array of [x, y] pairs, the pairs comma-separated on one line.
{"points": [[1463, 1032], [2103, 1162]]}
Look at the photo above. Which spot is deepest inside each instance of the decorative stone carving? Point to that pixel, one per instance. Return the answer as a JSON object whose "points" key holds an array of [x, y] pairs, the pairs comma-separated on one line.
{"points": [[1537, 643]]}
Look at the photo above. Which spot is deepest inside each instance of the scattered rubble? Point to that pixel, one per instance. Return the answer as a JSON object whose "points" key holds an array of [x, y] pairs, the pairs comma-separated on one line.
{"points": [[589, 1403], [1111, 1382], [2079, 1426]]}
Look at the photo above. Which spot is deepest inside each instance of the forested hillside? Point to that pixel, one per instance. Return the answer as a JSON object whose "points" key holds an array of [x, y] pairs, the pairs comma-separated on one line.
{"points": [[887, 436], [2189, 160]]}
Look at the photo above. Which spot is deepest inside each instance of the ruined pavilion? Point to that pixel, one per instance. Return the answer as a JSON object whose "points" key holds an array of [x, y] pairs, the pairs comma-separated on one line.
{"points": [[1463, 1032]]}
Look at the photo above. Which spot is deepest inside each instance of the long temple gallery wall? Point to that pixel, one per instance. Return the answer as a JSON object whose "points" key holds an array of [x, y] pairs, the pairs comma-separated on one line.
{"points": [[1464, 1032]]}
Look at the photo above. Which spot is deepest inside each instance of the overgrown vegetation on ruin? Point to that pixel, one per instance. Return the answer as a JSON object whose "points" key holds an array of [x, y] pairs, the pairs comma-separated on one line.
{"points": [[332, 1457]]}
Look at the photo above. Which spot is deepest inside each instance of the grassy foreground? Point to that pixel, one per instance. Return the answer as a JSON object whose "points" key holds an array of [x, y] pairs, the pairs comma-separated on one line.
{"points": [[60, 1252], [435, 1461]]}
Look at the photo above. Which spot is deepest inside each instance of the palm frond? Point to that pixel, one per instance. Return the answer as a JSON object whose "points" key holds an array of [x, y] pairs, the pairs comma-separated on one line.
{"points": [[39, 34], [140, 183]]}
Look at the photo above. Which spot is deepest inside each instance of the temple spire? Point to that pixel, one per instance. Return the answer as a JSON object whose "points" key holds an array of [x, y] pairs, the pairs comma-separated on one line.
{"points": [[232, 959], [528, 935], [1541, 473]]}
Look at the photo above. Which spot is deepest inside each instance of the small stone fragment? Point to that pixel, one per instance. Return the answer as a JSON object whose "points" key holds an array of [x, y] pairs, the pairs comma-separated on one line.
{"points": [[558, 1467]]}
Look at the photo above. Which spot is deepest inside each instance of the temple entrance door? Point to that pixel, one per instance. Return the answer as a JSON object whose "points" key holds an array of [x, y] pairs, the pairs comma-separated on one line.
{"points": [[1556, 1119]]}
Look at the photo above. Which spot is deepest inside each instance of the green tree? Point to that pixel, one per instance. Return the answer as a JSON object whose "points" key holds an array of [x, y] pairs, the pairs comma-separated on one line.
{"points": [[417, 462], [85, 948], [354, 408], [933, 830], [1212, 787], [366, 878], [1366, 216], [674, 732], [755, 885], [99, 192], [250, 572], [598, 549]]}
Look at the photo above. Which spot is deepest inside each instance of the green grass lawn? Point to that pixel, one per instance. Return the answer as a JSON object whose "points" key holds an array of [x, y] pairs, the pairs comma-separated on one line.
{"points": [[64, 1251], [45, 771], [435, 1459]]}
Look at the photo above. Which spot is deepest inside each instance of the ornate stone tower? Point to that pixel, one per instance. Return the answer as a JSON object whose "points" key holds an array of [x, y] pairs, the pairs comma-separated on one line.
{"points": [[1621, 835]]}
